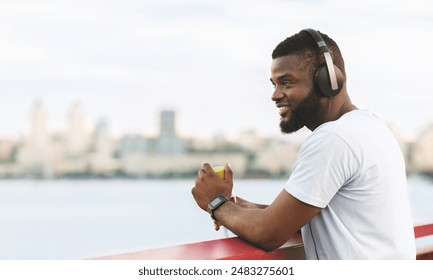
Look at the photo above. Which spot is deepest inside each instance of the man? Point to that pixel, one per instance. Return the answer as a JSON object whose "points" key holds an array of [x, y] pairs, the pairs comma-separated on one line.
{"points": [[347, 191]]}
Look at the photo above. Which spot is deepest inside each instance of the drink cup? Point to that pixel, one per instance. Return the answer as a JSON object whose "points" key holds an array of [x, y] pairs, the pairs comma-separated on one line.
{"points": [[219, 170]]}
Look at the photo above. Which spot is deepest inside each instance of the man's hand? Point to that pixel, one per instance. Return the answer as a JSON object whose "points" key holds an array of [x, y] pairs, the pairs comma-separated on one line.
{"points": [[208, 185]]}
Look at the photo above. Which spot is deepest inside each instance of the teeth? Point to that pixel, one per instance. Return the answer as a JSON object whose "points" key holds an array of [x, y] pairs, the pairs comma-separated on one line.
{"points": [[282, 109]]}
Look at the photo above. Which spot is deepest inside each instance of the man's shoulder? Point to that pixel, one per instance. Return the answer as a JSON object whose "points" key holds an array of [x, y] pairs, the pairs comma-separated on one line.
{"points": [[351, 124], [354, 130]]}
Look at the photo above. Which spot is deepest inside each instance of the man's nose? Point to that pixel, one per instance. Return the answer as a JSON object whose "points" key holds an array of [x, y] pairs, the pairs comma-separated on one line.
{"points": [[277, 94]]}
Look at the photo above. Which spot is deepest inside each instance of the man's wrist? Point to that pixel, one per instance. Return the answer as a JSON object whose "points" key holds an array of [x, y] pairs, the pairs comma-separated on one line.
{"points": [[215, 204]]}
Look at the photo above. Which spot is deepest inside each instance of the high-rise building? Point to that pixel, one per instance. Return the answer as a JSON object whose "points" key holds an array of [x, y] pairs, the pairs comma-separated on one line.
{"points": [[77, 134], [168, 142], [167, 123], [39, 132], [35, 155]]}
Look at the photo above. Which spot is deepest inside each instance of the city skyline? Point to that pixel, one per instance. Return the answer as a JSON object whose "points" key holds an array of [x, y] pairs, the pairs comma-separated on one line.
{"points": [[128, 60], [80, 152], [87, 149], [154, 129]]}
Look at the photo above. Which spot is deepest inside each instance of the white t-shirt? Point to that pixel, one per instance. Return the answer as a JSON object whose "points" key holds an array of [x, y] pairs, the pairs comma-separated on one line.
{"points": [[353, 168]]}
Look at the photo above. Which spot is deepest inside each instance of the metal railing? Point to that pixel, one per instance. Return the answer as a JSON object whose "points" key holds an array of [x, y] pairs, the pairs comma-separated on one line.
{"points": [[422, 231], [236, 249]]}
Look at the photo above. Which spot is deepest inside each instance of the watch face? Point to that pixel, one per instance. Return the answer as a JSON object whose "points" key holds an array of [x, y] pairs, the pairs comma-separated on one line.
{"points": [[216, 201]]}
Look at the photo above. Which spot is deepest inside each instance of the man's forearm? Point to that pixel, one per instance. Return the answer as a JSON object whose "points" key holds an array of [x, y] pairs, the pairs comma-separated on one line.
{"points": [[249, 223], [248, 204]]}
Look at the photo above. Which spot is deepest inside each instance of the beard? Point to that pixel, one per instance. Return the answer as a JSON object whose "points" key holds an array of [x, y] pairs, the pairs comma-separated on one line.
{"points": [[302, 113]]}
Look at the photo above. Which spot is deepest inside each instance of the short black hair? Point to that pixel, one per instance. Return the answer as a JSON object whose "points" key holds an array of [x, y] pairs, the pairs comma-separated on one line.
{"points": [[303, 44]]}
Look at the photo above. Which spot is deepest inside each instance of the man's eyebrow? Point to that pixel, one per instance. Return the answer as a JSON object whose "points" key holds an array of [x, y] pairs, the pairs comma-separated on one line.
{"points": [[285, 76], [282, 77]]}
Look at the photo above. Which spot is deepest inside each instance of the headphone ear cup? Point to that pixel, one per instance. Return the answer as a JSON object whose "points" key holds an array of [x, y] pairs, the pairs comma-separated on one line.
{"points": [[321, 79]]}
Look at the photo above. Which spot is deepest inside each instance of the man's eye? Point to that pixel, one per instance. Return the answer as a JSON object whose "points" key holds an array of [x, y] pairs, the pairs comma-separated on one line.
{"points": [[286, 82]]}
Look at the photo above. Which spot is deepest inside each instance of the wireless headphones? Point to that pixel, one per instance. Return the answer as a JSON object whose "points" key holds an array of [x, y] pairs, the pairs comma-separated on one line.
{"points": [[328, 77]]}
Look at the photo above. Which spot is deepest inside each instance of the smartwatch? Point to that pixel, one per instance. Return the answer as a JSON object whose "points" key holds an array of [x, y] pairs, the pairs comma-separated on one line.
{"points": [[215, 204]]}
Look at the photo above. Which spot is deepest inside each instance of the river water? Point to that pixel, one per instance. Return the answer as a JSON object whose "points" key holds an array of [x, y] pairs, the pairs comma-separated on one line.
{"points": [[80, 219]]}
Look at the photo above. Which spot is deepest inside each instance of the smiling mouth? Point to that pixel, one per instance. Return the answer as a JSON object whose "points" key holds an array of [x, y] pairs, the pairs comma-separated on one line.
{"points": [[283, 110]]}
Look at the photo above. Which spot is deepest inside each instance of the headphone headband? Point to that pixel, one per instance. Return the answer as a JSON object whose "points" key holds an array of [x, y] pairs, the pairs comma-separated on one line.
{"points": [[327, 55]]}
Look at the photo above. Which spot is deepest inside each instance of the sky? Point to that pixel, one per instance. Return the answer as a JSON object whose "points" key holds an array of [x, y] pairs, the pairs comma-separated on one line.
{"points": [[126, 60]]}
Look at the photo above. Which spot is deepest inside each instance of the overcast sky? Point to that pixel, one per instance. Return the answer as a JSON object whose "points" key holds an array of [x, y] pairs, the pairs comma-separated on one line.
{"points": [[209, 60]]}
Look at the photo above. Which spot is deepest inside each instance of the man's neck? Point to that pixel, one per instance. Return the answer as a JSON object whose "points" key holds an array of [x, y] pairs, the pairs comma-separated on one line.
{"points": [[332, 110]]}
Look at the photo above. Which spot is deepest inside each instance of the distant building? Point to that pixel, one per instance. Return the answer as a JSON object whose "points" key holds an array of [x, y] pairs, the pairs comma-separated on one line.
{"points": [[145, 156], [134, 144], [101, 156], [36, 149], [167, 123], [168, 142], [267, 157], [77, 135]]}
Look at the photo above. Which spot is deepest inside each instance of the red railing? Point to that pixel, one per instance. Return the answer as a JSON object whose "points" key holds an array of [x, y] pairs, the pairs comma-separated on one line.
{"points": [[221, 249], [237, 249], [426, 252]]}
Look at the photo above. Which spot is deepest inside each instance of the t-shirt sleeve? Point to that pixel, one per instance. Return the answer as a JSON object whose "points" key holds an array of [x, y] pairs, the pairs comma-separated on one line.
{"points": [[324, 164]]}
